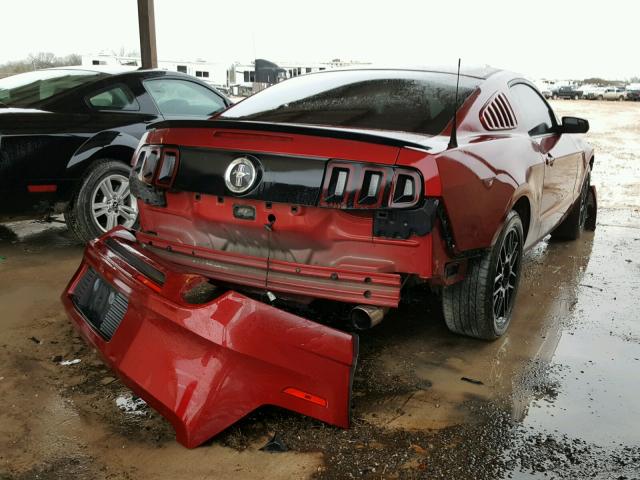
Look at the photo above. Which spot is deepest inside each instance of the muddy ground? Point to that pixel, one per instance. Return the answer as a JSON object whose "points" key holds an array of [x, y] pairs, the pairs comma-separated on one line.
{"points": [[557, 397]]}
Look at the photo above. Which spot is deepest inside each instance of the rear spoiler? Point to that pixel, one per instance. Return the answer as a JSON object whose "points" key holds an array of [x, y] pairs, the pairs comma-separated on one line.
{"points": [[392, 139]]}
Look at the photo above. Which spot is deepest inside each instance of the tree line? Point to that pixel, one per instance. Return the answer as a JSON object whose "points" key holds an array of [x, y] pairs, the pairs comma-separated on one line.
{"points": [[37, 61], [607, 83]]}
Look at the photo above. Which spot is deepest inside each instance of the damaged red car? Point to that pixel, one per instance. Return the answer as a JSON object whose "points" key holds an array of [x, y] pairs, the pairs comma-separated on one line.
{"points": [[341, 186]]}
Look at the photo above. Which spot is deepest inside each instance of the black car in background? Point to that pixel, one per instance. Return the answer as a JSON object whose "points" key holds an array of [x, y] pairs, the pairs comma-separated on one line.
{"points": [[567, 92], [633, 95], [67, 136]]}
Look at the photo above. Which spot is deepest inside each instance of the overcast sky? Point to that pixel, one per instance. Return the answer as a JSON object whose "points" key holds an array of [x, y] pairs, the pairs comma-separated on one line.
{"points": [[542, 38]]}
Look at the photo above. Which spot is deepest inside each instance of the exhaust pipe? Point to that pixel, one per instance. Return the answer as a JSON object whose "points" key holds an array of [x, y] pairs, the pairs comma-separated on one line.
{"points": [[364, 317]]}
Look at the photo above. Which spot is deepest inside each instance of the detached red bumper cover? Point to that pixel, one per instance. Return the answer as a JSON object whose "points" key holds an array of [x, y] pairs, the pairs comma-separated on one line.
{"points": [[204, 367]]}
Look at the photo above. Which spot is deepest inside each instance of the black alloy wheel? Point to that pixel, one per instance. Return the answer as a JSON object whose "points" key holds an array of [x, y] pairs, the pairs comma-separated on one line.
{"points": [[481, 304], [506, 279]]}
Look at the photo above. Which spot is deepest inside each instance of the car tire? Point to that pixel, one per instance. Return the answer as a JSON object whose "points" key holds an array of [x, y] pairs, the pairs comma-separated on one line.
{"points": [[481, 305], [102, 201], [573, 225]]}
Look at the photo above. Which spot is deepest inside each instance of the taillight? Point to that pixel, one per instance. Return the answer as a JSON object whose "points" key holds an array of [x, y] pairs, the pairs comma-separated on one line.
{"points": [[406, 189], [335, 192], [351, 185], [157, 165], [166, 172]]}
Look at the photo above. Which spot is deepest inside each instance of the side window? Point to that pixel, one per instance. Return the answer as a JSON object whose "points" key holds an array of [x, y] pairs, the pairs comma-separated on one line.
{"points": [[118, 97], [535, 114], [182, 97]]}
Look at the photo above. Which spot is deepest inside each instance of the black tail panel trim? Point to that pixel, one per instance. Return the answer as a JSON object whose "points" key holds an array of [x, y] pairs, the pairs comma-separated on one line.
{"points": [[279, 178]]}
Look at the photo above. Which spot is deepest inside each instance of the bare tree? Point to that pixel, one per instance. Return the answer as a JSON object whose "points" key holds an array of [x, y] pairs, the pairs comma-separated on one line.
{"points": [[71, 59], [37, 61], [42, 60]]}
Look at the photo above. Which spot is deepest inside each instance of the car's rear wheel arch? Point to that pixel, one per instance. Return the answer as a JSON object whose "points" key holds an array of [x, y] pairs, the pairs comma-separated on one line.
{"points": [[121, 153], [521, 204], [113, 152], [523, 207], [111, 145], [78, 170]]}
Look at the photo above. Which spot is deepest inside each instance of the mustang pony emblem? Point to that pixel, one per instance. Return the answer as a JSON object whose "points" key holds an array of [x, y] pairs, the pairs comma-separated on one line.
{"points": [[240, 175]]}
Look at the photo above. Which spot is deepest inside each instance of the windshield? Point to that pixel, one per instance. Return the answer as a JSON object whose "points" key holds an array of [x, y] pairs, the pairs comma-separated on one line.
{"points": [[407, 101], [28, 89]]}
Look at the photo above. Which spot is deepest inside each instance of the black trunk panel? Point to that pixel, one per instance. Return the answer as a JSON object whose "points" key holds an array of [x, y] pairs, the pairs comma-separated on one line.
{"points": [[282, 178]]}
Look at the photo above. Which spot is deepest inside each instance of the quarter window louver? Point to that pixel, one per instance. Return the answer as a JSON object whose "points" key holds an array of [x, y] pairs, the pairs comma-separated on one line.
{"points": [[498, 114]]}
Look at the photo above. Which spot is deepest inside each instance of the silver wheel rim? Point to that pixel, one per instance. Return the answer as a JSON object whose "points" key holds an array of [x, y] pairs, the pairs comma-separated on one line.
{"points": [[112, 203]]}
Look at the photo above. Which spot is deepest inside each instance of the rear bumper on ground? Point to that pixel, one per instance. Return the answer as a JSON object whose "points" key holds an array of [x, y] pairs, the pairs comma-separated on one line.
{"points": [[204, 367]]}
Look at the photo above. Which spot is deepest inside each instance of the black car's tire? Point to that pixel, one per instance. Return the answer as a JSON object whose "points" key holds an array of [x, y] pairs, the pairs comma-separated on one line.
{"points": [[481, 305], [573, 225], [86, 216]]}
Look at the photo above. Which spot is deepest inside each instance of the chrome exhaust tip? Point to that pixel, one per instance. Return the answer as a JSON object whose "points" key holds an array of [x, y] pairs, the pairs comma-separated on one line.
{"points": [[364, 317]]}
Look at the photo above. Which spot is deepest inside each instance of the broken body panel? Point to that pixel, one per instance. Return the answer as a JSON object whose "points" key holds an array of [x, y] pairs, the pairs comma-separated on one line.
{"points": [[206, 366], [351, 255]]}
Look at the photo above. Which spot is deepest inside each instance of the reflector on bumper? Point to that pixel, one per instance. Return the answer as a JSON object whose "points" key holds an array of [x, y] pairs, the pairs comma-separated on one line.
{"points": [[204, 367]]}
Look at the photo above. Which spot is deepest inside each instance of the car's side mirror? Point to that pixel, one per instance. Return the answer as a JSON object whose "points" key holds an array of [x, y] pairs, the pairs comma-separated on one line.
{"points": [[574, 125], [540, 129]]}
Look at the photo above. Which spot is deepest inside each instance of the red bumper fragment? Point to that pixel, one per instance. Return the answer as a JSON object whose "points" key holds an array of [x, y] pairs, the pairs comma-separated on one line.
{"points": [[204, 367]]}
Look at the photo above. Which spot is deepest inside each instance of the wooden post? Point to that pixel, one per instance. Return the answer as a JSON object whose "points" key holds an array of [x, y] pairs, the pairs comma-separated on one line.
{"points": [[147, 27]]}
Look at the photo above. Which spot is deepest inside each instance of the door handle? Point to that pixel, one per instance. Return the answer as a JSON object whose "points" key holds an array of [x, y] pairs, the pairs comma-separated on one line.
{"points": [[549, 159]]}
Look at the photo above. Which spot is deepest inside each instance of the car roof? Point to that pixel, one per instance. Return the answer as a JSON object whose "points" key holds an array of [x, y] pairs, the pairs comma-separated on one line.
{"points": [[123, 70], [476, 71], [108, 69]]}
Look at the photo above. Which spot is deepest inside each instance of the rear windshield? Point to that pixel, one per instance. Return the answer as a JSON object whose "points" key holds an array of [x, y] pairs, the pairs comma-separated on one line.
{"points": [[407, 101], [29, 89]]}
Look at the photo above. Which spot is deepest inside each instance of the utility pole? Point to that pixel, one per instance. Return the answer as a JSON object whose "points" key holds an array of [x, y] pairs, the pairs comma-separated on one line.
{"points": [[147, 27]]}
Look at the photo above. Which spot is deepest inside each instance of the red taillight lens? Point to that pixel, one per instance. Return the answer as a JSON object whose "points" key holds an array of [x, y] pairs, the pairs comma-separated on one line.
{"points": [[157, 165], [146, 163], [168, 167], [351, 185]]}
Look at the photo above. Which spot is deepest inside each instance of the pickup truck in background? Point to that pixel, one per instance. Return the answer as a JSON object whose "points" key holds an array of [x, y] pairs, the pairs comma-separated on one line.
{"points": [[593, 92], [567, 92], [615, 93]]}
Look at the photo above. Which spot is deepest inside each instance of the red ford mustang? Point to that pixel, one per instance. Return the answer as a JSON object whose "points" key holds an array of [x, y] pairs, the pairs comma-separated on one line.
{"points": [[342, 185]]}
